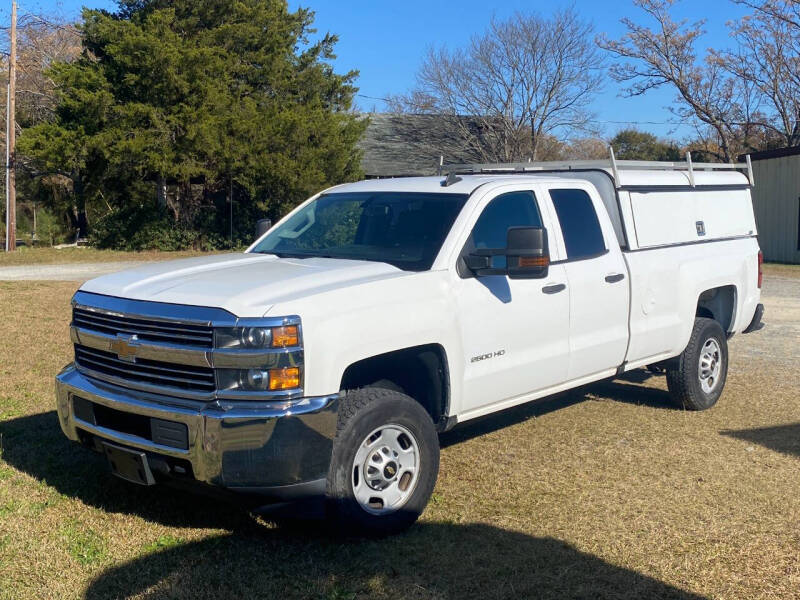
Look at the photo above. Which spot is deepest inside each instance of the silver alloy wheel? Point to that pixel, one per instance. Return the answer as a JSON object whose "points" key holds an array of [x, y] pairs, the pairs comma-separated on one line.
{"points": [[710, 365], [385, 469]]}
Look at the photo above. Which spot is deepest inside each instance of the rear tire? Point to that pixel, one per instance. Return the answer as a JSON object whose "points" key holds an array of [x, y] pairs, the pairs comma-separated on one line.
{"points": [[384, 464], [697, 377]]}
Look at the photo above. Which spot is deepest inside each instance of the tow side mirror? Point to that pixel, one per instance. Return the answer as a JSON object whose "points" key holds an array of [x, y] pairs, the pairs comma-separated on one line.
{"points": [[262, 227], [527, 253]]}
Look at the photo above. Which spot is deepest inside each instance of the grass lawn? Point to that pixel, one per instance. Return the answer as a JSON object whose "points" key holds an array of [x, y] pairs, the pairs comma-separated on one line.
{"points": [[41, 256], [606, 492]]}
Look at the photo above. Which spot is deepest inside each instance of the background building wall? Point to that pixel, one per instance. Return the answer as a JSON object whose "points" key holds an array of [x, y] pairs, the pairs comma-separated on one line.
{"points": [[776, 200]]}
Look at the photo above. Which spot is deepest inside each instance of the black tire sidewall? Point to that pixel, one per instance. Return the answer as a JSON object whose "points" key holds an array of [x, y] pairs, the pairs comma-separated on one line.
{"points": [[708, 329], [391, 408]]}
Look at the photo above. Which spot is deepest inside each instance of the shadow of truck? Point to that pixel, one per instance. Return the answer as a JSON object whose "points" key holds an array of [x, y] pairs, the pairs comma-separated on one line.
{"points": [[35, 445], [432, 560], [780, 438]]}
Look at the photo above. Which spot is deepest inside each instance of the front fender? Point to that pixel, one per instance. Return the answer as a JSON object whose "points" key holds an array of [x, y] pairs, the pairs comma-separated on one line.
{"points": [[344, 326]]}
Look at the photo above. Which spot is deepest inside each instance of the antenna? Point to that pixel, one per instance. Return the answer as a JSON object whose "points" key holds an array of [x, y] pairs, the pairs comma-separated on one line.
{"points": [[750, 171], [691, 170], [441, 162]]}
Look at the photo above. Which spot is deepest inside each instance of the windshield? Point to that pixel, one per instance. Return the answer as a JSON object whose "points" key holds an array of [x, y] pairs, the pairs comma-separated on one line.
{"points": [[404, 229]]}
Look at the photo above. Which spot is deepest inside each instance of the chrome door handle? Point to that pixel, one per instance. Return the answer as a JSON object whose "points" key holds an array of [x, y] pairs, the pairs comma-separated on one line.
{"points": [[615, 278], [554, 289]]}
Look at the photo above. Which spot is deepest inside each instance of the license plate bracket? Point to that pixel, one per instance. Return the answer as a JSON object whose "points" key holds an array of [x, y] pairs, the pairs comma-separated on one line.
{"points": [[128, 464]]}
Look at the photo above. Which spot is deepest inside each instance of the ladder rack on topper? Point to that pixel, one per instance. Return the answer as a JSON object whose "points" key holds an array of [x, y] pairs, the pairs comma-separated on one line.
{"points": [[611, 164]]}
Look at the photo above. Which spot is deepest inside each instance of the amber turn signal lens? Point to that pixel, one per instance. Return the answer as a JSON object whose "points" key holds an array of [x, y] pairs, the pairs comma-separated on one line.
{"points": [[285, 336], [533, 261], [284, 379]]}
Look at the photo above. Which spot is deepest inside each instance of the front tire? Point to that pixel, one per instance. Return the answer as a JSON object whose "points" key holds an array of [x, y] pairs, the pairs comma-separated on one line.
{"points": [[697, 378], [384, 464]]}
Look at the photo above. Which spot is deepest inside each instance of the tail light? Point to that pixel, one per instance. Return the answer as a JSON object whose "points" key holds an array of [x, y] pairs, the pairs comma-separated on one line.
{"points": [[760, 268]]}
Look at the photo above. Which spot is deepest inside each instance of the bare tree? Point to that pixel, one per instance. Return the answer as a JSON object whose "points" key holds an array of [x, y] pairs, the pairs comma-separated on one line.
{"points": [[767, 58], [41, 41], [523, 79], [787, 11], [666, 56]]}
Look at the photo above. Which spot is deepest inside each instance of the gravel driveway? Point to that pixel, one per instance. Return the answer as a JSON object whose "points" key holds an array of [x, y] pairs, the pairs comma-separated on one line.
{"points": [[67, 272], [779, 341]]}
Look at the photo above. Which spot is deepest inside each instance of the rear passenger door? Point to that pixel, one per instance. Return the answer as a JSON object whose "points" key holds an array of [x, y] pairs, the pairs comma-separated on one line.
{"points": [[597, 280]]}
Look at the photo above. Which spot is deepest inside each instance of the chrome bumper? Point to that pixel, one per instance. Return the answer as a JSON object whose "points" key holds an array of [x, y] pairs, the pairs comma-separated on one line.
{"points": [[265, 449]]}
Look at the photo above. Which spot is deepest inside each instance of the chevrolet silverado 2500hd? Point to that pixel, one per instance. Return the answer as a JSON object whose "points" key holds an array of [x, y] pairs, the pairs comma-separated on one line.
{"points": [[323, 361]]}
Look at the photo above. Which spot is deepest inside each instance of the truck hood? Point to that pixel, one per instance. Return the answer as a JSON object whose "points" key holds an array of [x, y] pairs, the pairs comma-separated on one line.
{"points": [[246, 285]]}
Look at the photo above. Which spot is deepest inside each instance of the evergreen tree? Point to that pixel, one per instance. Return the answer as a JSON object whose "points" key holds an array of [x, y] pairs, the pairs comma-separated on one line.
{"points": [[214, 101], [632, 144]]}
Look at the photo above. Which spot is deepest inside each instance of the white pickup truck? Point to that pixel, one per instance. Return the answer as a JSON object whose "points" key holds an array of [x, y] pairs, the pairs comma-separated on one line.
{"points": [[322, 362]]}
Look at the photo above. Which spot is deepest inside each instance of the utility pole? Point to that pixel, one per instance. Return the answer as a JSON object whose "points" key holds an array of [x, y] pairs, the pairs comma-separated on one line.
{"points": [[8, 98], [11, 182]]}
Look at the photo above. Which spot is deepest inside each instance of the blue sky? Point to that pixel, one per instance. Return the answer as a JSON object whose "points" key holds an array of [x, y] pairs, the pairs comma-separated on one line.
{"points": [[385, 41]]}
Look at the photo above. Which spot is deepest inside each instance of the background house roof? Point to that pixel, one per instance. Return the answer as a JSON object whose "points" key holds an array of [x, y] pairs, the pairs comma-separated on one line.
{"points": [[776, 153], [398, 145]]}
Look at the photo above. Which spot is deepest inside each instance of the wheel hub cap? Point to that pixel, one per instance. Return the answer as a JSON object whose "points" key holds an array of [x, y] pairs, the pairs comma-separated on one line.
{"points": [[385, 469], [710, 365]]}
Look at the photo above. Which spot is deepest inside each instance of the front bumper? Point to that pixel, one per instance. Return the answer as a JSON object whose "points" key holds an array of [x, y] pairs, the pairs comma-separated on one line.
{"points": [[280, 450]]}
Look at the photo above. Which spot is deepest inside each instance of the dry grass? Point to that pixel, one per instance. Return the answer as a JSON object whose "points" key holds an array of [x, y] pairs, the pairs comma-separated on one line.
{"points": [[41, 256], [602, 493]]}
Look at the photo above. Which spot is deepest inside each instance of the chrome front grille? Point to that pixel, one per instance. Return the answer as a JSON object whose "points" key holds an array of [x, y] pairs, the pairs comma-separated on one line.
{"points": [[148, 372], [182, 334], [169, 349]]}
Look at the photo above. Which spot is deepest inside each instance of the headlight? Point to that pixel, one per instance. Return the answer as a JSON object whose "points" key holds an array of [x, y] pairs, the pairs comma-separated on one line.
{"points": [[259, 380], [254, 338], [261, 358]]}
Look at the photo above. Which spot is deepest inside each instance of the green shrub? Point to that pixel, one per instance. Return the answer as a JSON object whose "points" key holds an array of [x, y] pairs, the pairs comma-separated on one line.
{"points": [[48, 229], [148, 228]]}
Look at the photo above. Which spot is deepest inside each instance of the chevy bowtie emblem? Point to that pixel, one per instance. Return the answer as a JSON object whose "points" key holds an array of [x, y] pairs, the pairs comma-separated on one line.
{"points": [[125, 347]]}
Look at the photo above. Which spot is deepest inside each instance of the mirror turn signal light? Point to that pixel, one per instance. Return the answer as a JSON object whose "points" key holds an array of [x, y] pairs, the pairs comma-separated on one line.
{"points": [[288, 335], [284, 379], [534, 261]]}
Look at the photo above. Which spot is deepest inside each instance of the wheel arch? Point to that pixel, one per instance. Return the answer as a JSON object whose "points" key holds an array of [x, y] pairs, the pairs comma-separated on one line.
{"points": [[421, 372], [719, 303]]}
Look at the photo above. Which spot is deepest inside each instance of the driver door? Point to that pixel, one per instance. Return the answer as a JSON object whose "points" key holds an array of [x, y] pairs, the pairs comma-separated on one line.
{"points": [[515, 332]]}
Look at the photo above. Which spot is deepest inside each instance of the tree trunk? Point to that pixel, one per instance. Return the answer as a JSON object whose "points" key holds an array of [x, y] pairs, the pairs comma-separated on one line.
{"points": [[230, 201], [81, 221], [162, 193], [726, 149]]}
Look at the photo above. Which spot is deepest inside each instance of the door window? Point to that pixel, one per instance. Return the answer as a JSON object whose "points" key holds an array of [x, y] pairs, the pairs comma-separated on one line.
{"points": [[579, 224], [514, 209]]}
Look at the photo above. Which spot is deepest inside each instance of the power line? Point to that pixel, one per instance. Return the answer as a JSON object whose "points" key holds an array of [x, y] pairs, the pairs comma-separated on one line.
{"points": [[593, 120], [642, 122], [373, 98]]}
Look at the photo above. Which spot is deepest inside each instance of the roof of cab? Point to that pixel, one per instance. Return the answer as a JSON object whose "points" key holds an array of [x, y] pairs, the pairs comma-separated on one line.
{"points": [[638, 178], [433, 185]]}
